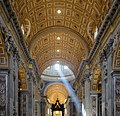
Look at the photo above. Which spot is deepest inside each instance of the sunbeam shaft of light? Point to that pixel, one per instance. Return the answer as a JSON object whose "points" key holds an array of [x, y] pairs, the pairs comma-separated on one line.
{"points": [[72, 93]]}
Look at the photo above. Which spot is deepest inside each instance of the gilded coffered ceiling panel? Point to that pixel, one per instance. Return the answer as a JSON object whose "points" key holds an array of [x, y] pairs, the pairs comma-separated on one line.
{"points": [[57, 91], [82, 16]]}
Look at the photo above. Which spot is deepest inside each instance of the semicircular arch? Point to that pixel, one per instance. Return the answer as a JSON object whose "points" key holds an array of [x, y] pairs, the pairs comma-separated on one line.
{"points": [[57, 90]]}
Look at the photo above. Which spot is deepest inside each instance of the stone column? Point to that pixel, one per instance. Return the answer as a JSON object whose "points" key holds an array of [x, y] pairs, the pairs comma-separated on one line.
{"points": [[72, 108], [30, 94], [3, 78], [12, 80], [71, 105], [15, 86], [104, 89], [3, 92], [87, 89], [87, 97], [23, 103], [83, 95], [37, 108], [42, 106], [66, 110], [107, 86]]}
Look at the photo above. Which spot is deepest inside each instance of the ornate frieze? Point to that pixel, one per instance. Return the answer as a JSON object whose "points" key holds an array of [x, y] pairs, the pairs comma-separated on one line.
{"points": [[2, 96]]}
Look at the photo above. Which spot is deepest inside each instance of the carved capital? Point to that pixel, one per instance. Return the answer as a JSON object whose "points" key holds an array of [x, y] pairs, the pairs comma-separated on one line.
{"points": [[86, 77], [87, 74], [106, 51]]}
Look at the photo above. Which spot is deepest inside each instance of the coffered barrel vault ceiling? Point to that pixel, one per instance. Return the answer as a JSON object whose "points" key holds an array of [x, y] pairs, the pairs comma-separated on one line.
{"points": [[58, 46], [75, 24]]}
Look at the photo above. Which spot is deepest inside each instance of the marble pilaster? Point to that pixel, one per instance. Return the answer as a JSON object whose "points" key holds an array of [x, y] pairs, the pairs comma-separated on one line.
{"points": [[71, 107], [37, 108], [116, 92], [107, 80], [42, 106], [86, 91], [12, 80], [23, 103], [3, 92], [94, 104], [30, 94]]}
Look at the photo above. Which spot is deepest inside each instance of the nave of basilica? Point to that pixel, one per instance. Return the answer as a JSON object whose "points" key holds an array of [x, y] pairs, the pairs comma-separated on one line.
{"points": [[59, 57]]}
